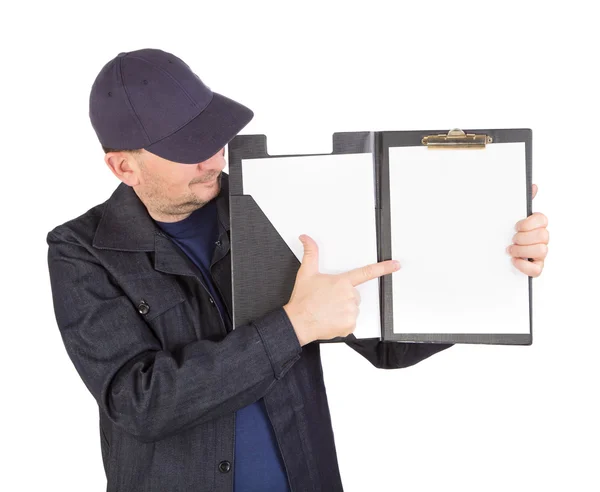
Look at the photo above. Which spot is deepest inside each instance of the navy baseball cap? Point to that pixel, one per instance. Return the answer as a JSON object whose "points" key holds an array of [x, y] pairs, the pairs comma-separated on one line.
{"points": [[150, 99]]}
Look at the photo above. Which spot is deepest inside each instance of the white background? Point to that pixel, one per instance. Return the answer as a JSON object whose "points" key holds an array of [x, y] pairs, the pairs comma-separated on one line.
{"points": [[472, 418]]}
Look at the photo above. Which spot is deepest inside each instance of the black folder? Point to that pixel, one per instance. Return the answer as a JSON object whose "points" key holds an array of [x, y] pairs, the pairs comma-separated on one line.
{"points": [[264, 267]]}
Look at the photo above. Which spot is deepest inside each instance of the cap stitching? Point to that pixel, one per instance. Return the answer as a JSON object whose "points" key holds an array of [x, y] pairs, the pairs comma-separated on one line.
{"points": [[182, 89], [188, 121], [129, 100], [167, 73]]}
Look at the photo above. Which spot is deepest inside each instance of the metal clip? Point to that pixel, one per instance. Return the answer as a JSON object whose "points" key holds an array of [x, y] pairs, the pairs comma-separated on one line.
{"points": [[456, 139]]}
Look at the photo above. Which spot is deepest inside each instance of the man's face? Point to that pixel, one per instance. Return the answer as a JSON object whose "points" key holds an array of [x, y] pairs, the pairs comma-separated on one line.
{"points": [[172, 191]]}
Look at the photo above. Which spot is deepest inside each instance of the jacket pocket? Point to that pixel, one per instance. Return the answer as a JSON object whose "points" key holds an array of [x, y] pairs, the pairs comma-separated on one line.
{"points": [[161, 303], [152, 295]]}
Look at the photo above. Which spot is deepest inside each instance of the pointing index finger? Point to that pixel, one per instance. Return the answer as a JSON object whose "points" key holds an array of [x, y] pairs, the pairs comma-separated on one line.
{"points": [[369, 272]]}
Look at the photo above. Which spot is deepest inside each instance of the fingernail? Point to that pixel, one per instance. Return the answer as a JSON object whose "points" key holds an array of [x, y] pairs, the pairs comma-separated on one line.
{"points": [[396, 265], [508, 249]]}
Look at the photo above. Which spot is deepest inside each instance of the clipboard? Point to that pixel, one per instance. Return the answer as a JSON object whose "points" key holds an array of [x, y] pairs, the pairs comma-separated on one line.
{"points": [[421, 184]]}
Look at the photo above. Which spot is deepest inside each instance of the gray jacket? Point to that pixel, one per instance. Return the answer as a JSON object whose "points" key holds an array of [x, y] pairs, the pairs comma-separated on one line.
{"points": [[149, 343]]}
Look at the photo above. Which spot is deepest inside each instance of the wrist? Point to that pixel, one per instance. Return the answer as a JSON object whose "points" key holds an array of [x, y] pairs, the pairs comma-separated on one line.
{"points": [[299, 327]]}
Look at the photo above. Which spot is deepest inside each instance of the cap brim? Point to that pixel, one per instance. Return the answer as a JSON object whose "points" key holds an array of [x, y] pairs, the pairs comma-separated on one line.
{"points": [[206, 134]]}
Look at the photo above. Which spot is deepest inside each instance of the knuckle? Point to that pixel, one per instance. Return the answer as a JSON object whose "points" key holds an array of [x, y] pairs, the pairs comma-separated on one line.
{"points": [[351, 309], [536, 268], [350, 314], [545, 235], [349, 321], [342, 283], [367, 272]]}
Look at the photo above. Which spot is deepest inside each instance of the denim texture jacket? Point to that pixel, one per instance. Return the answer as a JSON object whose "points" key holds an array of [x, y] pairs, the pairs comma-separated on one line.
{"points": [[149, 343]]}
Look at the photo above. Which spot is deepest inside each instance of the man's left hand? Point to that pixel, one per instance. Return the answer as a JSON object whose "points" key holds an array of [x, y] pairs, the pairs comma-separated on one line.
{"points": [[530, 241]]}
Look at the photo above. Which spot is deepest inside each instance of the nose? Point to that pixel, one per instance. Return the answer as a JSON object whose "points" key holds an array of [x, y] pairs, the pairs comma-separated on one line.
{"points": [[216, 162], [217, 157]]}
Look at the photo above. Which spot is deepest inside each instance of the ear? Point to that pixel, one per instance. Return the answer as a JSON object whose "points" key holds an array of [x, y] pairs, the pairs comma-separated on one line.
{"points": [[124, 166]]}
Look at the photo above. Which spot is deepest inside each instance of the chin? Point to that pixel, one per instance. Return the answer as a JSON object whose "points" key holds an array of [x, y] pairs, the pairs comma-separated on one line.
{"points": [[210, 192], [207, 191]]}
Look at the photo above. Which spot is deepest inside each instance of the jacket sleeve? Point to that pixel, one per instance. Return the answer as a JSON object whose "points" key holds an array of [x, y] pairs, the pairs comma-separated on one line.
{"points": [[148, 391], [394, 355]]}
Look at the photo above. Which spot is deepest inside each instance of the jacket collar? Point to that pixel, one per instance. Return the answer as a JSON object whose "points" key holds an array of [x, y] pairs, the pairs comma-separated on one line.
{"points": [[126, 224]]}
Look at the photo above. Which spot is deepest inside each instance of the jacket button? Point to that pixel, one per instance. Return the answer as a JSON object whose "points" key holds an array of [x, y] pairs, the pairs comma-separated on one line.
{"points": [[143, 307], [224, 466], [212, 301], [218, 243]]}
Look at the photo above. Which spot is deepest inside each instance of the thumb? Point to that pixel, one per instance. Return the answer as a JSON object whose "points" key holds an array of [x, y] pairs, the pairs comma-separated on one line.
{"points": [[310, 260]]}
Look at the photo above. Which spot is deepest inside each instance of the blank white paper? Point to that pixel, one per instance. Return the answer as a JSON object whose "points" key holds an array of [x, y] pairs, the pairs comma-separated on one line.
{"points": [[331, 198], [453, 213]]}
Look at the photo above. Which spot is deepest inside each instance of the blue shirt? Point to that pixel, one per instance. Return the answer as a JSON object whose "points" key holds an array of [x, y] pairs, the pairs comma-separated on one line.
{"points": [[257, 465]]}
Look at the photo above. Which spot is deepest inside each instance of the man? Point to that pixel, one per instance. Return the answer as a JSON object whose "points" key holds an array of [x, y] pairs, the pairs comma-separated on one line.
{"points": [[142, 297]]}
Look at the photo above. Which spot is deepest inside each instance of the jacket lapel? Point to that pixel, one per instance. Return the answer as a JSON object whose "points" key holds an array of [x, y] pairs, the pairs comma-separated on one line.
{"points": [[126, 225]]}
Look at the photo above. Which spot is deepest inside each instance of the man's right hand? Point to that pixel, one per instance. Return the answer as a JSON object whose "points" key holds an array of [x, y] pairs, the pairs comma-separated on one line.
{"points": [[325, 306]]}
